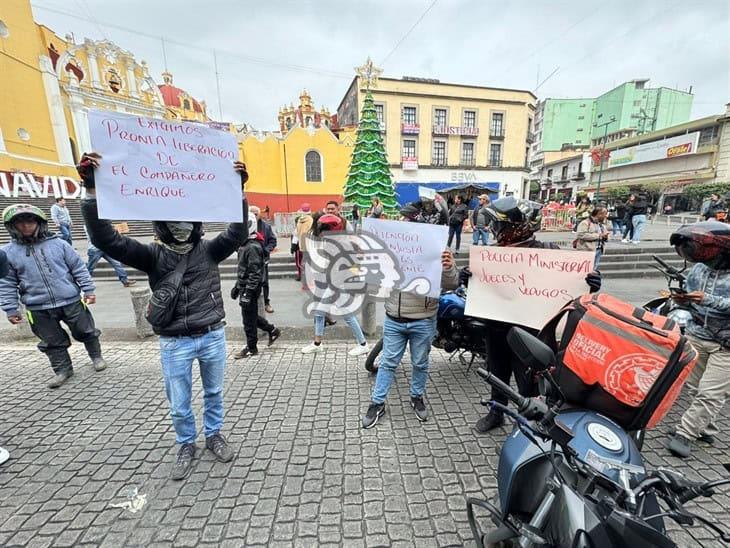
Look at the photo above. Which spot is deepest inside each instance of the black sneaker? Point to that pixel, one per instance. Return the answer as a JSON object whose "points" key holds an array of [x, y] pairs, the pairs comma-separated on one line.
{"points": [[488, 422], [704, 437], [184, 461], [375, 411], [220, 448], [245, 353], [61, 378], [420, 408], [680, 446], [273, 335]]}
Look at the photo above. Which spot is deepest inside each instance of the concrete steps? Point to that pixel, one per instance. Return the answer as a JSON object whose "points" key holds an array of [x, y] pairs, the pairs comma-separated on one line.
{"points": [[618, 262]]}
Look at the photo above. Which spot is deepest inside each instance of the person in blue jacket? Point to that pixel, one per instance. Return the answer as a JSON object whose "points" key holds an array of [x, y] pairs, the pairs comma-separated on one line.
{"points": [[4, 455], [48, 276]]}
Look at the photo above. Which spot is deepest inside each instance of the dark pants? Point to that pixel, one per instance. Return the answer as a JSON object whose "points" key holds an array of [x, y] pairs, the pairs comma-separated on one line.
{"points": [[298, 262], [252, 321], [265, 284], [46, 325], [628, 229], [503, 363], [455, 230]]}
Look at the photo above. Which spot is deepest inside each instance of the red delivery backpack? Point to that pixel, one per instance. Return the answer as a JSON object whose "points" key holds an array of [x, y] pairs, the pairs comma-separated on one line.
{"points": [[618, 360]]}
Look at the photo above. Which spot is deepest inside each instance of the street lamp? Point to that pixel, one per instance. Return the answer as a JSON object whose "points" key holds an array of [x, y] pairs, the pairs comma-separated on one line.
{"points": [[603, 150]]}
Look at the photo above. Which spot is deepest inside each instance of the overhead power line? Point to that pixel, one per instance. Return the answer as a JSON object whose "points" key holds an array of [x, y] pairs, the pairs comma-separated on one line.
{"points": [[407, 34]]}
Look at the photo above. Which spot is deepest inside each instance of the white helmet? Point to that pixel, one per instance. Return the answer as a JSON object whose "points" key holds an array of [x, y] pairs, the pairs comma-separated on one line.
{"points": [[252, 227]]}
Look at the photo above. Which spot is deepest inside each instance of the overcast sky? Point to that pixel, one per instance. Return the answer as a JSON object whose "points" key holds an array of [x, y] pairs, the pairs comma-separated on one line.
{"points": [[269, 50]]}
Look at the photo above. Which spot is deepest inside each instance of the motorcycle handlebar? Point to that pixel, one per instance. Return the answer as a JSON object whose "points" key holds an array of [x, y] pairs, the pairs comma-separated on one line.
{"points": [[668, 269], [519, 401]]}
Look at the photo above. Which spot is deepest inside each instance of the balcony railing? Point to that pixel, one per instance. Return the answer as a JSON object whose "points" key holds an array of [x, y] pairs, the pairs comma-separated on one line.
{"points": [[438, 163], [495, 162], [530, 137], [410, 129], [466, 131], [409, 163], [496, 133], [468, 162]]}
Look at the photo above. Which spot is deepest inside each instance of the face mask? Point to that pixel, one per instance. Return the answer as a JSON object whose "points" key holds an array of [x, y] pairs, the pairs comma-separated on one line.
{"points": [[180, 231]]}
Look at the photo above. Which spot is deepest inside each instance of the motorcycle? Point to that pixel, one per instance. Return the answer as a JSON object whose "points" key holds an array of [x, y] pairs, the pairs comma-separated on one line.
{"points": [[571, 477], [455, 332], [665, 305]]}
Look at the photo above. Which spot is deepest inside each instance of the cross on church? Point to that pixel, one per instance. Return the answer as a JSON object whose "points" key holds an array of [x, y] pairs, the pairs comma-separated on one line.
{"points": [[369, 73]]}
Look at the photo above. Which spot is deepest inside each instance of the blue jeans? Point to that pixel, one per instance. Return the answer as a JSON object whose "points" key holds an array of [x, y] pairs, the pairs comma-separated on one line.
{"points": [[419, 334], [617, 227], [66, 233], [480, 233], [177, 355], [350, 320], [597, 260], [639, 221], [95, 255]]}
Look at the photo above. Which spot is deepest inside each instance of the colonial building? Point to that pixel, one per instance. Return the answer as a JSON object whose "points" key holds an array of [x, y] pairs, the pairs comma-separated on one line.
{"points": [[303, 165], [563, 178], [304, 115], [438, 134], [179, 104]]}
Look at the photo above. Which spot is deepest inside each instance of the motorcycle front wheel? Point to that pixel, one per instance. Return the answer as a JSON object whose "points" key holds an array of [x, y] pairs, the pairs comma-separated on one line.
{"points": [[372, 362]]}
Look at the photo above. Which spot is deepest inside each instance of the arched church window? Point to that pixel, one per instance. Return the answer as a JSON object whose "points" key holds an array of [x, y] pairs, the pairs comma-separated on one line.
{"points": [[313, 165]]}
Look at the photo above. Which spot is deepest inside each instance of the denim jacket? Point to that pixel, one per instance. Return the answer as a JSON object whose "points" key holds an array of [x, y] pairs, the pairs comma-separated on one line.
{"points": [[711, 318], [47, 274]]}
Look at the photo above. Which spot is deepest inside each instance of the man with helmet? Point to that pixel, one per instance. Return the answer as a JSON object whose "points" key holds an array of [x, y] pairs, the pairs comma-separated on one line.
{"points": [[250, 282], [513, 223], [196, 329], [707, 244], [410, 319], [47, 276]]}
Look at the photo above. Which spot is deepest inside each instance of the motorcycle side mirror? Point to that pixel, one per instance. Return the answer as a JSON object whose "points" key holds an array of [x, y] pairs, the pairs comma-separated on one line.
{"points": [[530, 350]]}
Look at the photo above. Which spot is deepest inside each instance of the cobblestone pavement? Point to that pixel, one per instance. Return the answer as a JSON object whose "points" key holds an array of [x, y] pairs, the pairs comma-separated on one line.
{"points": [[89, 462]]}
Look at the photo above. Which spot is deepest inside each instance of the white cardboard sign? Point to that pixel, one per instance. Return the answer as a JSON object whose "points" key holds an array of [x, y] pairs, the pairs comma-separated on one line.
{"points": [[154, 169], [524, 286], [418, 248]]}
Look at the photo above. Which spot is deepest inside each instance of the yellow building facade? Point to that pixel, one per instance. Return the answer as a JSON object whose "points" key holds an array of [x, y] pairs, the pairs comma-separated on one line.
{"points": [[439, 134], [304, 165]]}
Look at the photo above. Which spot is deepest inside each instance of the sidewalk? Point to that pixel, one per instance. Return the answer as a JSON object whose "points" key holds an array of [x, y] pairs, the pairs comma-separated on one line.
{"points": [[90, 462]]}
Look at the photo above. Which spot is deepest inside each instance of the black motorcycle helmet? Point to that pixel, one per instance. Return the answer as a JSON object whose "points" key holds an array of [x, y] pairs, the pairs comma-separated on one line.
{"points": [[513, 221], [707, 242], [164, 235], [425, 211]]}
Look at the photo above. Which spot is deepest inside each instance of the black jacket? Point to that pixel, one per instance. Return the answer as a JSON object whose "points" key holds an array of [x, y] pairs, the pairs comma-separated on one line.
{"points": [[200, 304], [639, 207], [269, 243], [458, 214], [250, 269]]}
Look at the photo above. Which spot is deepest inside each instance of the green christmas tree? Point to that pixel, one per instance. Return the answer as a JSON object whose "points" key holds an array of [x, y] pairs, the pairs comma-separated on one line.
{"points": [[369, 175]]}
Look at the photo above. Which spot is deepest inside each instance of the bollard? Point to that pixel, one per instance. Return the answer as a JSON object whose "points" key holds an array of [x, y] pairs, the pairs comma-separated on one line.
{"points": [[140, 297], [369, 321]]}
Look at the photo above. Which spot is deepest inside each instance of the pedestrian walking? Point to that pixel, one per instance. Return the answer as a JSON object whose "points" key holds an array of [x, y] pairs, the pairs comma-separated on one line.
{"points": [[714, 206], [249, 283], [48, 277], [707, 245], [410, 320], [324, 223], [62, 219], [303, 225], [94, 255], [479, 221], [592, 235], [616, 214], [457, 215], [637, 209], [268, 242], [582, 211], [184, 264], [356, 218]]}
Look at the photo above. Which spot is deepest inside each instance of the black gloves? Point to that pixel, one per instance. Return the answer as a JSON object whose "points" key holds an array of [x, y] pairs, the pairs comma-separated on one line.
{"points": [[294, 248], [235, 292], [464, 275], [86, 167], [594, 281]]}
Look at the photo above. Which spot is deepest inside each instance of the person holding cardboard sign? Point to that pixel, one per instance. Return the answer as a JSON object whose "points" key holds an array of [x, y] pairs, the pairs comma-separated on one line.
{"points": [[185, 266], [513, 223]]}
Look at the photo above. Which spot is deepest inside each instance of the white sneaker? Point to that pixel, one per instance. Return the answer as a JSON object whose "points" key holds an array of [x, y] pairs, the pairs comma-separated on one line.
{"points": [[359, 350], [635, 242], [311, 347], [625, 241]]}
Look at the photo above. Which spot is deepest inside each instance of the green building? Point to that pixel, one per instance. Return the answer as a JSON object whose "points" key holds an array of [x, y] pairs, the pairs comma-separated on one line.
{"points": [[637, 109]]}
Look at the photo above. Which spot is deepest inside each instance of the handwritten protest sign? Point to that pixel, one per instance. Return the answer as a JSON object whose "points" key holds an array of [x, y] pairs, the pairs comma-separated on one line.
{"points": [[522, 285], [155, 169], [418, 249]]}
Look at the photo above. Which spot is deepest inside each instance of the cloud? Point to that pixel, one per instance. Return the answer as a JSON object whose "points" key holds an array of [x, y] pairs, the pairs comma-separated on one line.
{"points": [[503, 44]]}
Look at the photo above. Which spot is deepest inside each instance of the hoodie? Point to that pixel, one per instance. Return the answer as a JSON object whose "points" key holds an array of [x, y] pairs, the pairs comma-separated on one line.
{"points": [[43, 275], [710, 318]]}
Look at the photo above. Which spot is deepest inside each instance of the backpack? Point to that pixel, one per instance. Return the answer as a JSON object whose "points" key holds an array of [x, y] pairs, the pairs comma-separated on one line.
{"points": [[619, 360]]}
